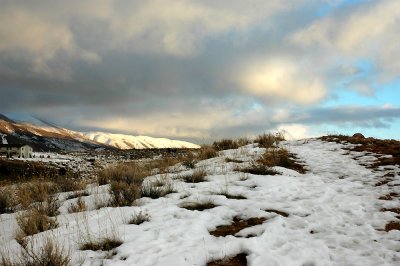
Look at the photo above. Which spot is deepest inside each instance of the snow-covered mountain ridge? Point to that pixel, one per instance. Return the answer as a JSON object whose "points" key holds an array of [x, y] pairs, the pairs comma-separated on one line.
{"points": [[47, 136], [122, 141]]}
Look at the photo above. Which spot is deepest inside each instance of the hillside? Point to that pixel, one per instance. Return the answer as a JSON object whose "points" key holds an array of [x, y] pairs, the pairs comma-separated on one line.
{"points": [[343, 209], [124, 142], [49, 137]]}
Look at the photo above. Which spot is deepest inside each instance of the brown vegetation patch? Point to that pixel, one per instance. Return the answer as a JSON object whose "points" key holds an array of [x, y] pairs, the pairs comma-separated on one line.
{"points": [[237, 225], [281, 213], [196, 177], [229, 144], [390, 196], [269, 140], [378, 146], [198, 206], [383, 182], [392, 226], [231, 196], [238, 260], [282, 158], [256, 169], [230, 160], [104, 244]]}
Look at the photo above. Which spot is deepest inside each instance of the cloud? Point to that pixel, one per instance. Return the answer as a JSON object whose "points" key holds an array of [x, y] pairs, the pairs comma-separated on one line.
{"points": [[369, 30], [278, 80]]}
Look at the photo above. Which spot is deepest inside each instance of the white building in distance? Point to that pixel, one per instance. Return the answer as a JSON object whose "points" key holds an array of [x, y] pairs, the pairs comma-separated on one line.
{"points": [[20, 150]]}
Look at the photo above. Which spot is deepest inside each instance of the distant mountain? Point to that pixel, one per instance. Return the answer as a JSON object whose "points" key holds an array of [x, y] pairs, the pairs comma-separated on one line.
{"points": [[121, 141], [48, 136]]}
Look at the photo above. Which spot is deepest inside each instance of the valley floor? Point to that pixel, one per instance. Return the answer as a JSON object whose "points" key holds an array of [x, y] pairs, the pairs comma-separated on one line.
{"points": [[331, 215]]}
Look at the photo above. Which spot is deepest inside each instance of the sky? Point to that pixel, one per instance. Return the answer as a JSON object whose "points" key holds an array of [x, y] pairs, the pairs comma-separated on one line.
{"points": [[203, 70]]}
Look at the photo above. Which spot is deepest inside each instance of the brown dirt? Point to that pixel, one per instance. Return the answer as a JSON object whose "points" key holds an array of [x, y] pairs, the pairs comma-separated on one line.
{"points": [[392, 226], [237, 225], [238, 260], [379, 146], [281, 213], [390, 196], [199, 206]]}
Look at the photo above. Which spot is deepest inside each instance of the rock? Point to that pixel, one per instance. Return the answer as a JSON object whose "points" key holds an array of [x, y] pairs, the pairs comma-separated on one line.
{"points": [[358, 136]]}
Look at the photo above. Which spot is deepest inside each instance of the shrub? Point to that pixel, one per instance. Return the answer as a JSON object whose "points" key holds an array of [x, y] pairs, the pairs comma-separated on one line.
{"points": [[32, 222], [34, 191], [275, 157], [104, 244], [228, 144], [199, 206], [78, 206], [124, 194], [195, 177], [5, 203], [257, 169], [150, 190], [139, 218], [49, 254], [207, 152], [130, 173], [48, 207], [269, 140]]}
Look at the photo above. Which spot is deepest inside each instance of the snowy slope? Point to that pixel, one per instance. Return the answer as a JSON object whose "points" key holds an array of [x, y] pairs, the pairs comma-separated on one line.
{"points": [[122, 141], [46, 135], [334, 215]]}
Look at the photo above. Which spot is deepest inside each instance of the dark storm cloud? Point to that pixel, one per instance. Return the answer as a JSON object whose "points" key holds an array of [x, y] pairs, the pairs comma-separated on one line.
{"points": [[160, 67]]}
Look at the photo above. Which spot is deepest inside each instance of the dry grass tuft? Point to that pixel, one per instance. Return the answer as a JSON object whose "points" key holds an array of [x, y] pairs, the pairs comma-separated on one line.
{"points": [[32, 222], [5, 203], [281, 157], [124, 194], [130, 173], [50, 254], [78, 206], [206, 152], [139, 218], [238, 260], [151, 190], [229, 144], [196, 177], [258, 169], [269, 140], [104, 244], [199, 206]]}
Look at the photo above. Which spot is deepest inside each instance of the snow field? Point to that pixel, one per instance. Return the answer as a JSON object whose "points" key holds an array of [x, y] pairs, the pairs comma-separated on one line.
{"points": [[334, 215]]}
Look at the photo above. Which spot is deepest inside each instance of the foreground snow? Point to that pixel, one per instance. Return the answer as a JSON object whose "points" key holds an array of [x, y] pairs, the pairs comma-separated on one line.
{"points": [[334, 216]]}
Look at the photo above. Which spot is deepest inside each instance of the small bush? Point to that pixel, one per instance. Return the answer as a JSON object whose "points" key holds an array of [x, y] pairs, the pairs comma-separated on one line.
{"points": [[32, 222], [258, 169], [189, 163], [230, 160], [207, 152], [78, 206], [150, 190], [196, 177], [124, 194], [275, 157], [34, 191], [50, 254], [104, 244], [228, 144], [130, 173], [70, 184], [139, 218], [49, 207], [199, 206], [5, 203], [269, 140]]}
